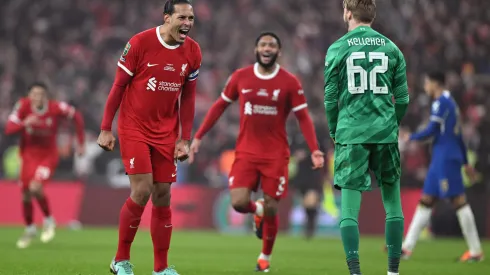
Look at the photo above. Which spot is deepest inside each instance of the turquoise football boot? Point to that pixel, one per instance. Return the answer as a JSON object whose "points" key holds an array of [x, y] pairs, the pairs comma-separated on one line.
{"points": [[121, 268], [168, 271]]}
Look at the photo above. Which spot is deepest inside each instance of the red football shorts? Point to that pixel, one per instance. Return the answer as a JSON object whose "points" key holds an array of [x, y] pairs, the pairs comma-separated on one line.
{"points": [[140, 157], [37, 169], [272, 175]]}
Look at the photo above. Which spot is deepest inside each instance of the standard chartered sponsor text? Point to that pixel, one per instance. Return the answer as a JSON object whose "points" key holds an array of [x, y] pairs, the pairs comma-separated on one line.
{"points": [[165, 86]]}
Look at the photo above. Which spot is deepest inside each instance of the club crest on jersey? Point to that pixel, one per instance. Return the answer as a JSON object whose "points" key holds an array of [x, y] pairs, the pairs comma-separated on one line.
{"points": [[184, 67], [275, 94]]}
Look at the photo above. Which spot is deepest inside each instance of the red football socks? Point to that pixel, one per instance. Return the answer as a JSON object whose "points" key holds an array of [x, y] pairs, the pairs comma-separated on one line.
{"points": [[161, 233], [270, 227], [43, 204], [27, 211], [129, 220], [251, 207]]}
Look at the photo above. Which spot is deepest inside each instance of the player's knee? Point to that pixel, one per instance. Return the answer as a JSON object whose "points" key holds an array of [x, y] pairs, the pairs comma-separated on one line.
{"points": [[459, 201], [270, 206], [427, 201], [240, 203], [311, 199], [141, 192], [348, 221], [161, 194], [35, 188]]}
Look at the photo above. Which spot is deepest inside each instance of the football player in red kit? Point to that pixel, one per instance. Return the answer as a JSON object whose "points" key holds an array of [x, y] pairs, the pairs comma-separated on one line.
{"points": [[37, 118], [267, 94], [158, 66]]}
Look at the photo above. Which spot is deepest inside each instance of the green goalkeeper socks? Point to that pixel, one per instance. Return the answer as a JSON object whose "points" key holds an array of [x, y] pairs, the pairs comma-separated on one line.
{"points": [[394, 224], [350, 239], [349, 229], [394, 238]]}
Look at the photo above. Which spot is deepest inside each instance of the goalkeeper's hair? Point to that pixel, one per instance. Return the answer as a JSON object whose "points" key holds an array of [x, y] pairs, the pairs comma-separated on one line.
{"points": [[438, 77], [169, 7], [363, 11], [268, 34]]}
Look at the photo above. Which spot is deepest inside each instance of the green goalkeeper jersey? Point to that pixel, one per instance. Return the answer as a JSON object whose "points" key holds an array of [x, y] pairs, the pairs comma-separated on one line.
{"points": [[364, 70]]}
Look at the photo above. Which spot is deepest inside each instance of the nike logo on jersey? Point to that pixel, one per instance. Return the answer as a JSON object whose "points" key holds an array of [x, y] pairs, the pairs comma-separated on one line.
{"points": [[174, 175], [244, 91], [151, 65]]}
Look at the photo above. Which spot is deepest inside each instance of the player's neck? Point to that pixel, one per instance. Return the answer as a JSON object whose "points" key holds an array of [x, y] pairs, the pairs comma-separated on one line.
{"points": [[438, 93], [267, 71], [39, 108], [165, 35], [354, 24]]}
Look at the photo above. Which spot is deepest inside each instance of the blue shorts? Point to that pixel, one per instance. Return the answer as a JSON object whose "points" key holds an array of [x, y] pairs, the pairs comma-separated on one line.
{"points": [[444, 180]]}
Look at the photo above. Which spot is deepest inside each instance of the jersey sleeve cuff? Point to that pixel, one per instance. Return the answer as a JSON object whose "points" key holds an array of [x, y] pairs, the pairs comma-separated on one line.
{"points": [[225, 98], [300, 107], [437, 119], [15, 119], [120, 65]]}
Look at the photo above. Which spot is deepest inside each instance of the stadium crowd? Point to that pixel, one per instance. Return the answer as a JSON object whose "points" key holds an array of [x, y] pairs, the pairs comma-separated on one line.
{"points": [[73, 45]]}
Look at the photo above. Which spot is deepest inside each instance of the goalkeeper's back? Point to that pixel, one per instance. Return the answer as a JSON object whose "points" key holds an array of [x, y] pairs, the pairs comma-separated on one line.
{"points": [[364, 70]]}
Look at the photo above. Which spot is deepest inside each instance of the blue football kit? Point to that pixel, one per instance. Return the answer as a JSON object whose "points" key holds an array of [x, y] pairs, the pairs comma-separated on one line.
{"points": [[444, 178]]}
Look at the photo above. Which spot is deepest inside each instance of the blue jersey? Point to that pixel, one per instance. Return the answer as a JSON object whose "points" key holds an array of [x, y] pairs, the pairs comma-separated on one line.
{"points": [[445, 128]]}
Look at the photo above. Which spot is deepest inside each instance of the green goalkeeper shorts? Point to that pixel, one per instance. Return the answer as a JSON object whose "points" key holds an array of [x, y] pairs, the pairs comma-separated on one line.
{"points": [[354, 161]]}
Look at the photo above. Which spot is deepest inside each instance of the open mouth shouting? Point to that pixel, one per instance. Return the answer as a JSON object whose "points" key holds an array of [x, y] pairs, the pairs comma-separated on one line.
{"points": [[266, 57], [183, 33]]}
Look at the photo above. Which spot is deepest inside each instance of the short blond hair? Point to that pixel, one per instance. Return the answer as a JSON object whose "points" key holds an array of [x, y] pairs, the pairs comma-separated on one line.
{"points": [[363, 11]]}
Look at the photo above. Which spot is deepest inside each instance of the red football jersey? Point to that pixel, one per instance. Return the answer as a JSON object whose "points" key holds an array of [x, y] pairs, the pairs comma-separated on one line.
{"points": [[39, 140], [150, 105], [265, 103]]}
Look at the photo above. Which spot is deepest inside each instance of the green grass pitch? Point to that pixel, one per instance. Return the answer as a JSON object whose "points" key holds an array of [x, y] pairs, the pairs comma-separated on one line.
{"points": [[89, 251]]}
